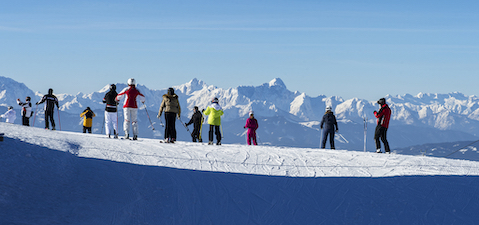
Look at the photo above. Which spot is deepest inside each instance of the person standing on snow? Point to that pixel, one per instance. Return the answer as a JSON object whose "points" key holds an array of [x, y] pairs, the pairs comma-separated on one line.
{"points": [[87, 115], [10, 115], [214, 113], [130, 107], [26, 110], [252, 125], [171, 106], [51, 100], [328, 123], [111, 111], [383, 116], [196, 120]]}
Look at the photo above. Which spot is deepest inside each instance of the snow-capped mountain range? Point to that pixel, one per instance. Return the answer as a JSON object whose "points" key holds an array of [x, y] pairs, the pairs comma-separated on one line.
{"points": [[286, 118]]}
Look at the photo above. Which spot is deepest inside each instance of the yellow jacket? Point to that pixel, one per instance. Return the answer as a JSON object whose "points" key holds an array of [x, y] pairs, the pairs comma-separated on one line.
{"points": [[214, 113], [88, 117]]}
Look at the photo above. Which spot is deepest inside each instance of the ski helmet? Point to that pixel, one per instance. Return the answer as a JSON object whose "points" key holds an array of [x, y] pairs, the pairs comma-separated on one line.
{"points": [[251, 112], [10, 107], [382, 101], [113, 87], [215, 100], [28, 98], [131, 81], [50, 91], [329, 108]]}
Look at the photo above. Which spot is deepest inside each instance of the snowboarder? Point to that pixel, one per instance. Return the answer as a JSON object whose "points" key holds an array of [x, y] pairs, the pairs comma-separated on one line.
{"points": [[130, 107], [252, 125], [171, 106], [383, 116], [51, 101], [26, 110], [111, 111], [214, 113], [328, 123], [87, 115], [196, 120], [10, 115]]}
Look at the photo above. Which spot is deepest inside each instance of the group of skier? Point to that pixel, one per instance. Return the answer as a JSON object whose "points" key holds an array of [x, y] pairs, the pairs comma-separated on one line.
{"points": [[170, 105]]}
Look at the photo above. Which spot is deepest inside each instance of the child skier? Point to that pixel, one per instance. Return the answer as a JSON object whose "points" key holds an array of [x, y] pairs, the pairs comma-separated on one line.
{"points": [[26, 110], [196, 120], [87, 115], [252, 125], [10, 115], [214, 113]]}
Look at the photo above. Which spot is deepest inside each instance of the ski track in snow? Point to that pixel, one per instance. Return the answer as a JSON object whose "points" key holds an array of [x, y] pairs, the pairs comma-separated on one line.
{"points": [[259, 160]]}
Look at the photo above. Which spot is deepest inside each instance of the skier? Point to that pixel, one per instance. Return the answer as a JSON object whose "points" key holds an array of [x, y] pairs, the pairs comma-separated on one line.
{"points": [[252, 125], [196, 120], [130, 107], [26, 110], [10, 115], [49, 108], [214, 113], [111, 111], [328, 123], [383, 116], [87, 115], [171, 106]]}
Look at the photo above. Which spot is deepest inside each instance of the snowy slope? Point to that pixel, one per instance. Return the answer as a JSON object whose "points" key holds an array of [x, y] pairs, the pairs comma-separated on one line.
{"points": [[70, 178], [286, 118]]}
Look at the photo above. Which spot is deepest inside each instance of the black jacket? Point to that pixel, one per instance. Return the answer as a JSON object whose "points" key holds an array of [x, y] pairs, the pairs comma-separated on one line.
{"points": [[51, 100], [196, 119], [109, 99]]}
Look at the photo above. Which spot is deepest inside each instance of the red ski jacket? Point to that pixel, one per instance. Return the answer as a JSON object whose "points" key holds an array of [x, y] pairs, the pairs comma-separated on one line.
{"points": [[383, 116], [131, 94]]}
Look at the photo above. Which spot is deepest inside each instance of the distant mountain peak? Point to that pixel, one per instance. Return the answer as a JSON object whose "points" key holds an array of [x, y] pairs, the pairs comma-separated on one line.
{"points": [[277, 82]]}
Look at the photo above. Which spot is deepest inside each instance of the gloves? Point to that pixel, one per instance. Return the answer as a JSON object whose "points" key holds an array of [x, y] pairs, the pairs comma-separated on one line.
{"points": [[159, 116], [178, 116], [37, 103]]}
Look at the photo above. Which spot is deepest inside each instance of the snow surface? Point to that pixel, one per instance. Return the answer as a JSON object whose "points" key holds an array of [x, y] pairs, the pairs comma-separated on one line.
{"points": [[57, 177]]}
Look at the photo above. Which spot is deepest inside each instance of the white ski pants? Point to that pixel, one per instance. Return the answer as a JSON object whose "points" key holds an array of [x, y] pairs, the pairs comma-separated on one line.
{"points": [[111, 118], [130, 115]]}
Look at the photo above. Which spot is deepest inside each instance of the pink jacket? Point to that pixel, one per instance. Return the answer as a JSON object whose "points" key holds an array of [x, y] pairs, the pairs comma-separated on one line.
{"points": [[251, 124]]}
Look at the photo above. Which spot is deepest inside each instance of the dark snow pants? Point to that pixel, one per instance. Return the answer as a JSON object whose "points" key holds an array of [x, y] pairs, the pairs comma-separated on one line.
{"points": [[49, 116], [327, 132], [170, 126], [381, 134], [196, 133], [25, 121], [217, 132]]}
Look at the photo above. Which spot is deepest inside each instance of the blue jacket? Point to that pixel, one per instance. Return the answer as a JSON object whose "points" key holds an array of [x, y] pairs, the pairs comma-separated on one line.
{"points": [[329, 121]]}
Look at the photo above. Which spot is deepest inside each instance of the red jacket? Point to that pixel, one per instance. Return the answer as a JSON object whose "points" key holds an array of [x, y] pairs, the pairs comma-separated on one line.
{"points": [[383, 116], [131, 94]]}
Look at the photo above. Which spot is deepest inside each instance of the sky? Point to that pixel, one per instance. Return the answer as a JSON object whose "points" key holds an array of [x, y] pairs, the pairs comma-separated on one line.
{"points": [[352, 49]]}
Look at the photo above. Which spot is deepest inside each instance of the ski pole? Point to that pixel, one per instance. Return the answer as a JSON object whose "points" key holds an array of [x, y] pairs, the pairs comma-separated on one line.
{"points": [[365, 132], [103, 123], [321, 140], [343, 138], [34, 115], [148, 116], [184, 125], [59, 122]]}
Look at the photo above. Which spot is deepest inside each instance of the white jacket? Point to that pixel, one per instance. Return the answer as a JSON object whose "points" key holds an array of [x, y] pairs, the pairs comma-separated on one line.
{"points": [[10, 116]]}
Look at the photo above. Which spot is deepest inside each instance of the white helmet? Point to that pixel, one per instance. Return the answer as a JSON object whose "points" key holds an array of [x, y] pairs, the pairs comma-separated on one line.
{"points": [[329, 108], [131, 81]]}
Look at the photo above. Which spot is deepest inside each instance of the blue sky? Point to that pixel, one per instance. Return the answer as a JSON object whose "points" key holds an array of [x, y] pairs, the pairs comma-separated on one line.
{"points": [[365, 49]]}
